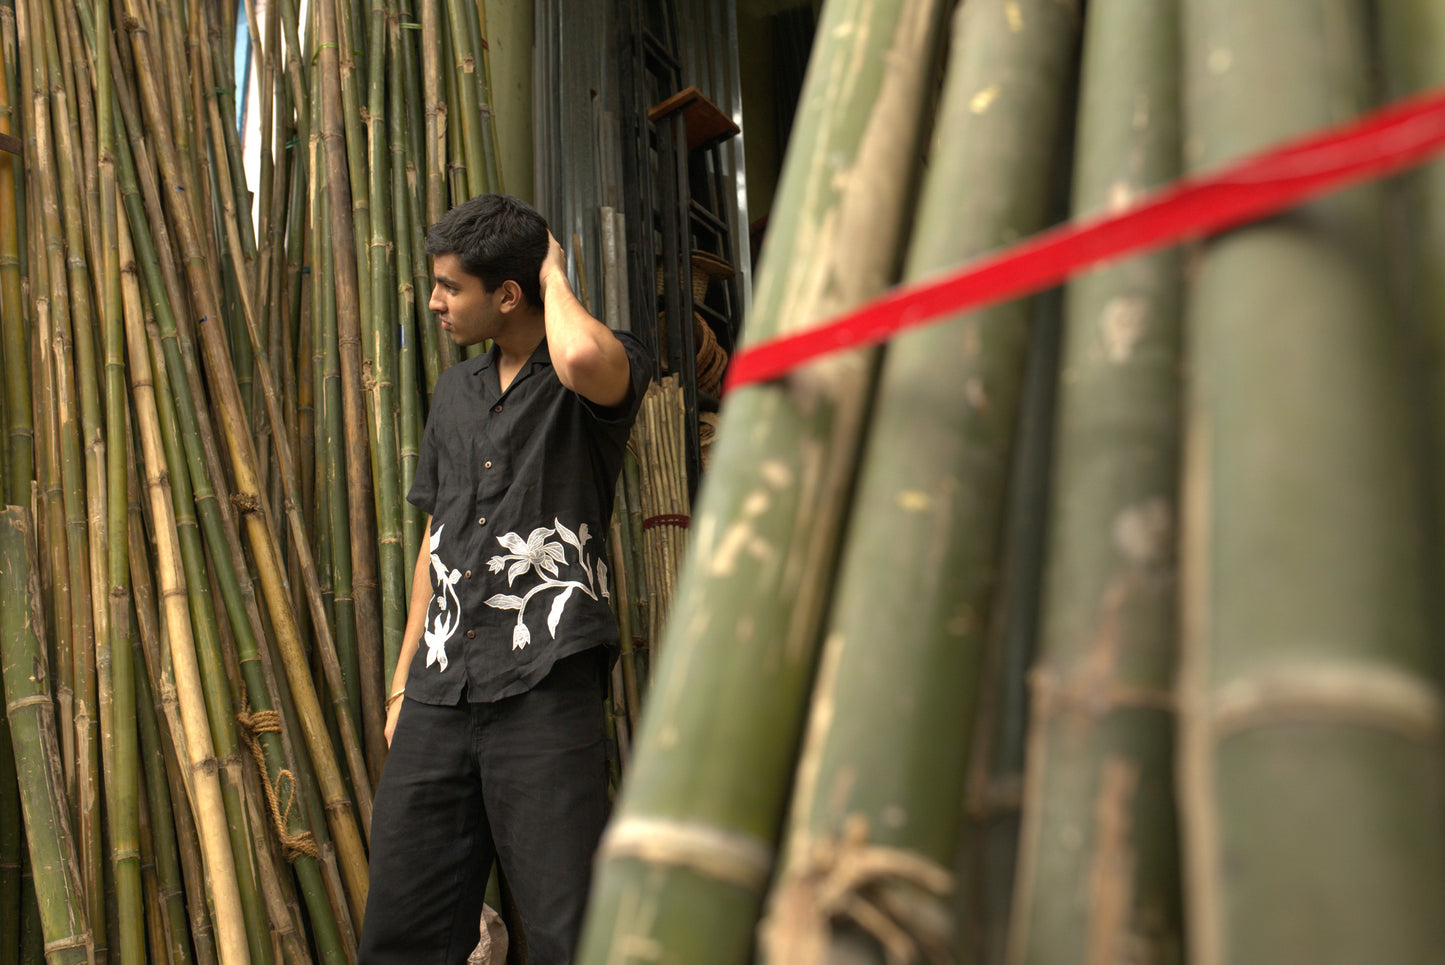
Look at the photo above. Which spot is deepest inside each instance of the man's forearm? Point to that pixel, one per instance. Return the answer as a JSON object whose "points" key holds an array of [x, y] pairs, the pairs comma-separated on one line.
{"points": [[416, 613]]}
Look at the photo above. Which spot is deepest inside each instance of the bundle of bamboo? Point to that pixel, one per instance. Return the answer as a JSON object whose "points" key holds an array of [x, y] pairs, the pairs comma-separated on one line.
{"points": [[657, 442], [186, 441]]}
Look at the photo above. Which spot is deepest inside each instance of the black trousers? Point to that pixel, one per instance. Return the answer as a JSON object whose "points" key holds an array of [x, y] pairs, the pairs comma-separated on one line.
{"points": [[522, 780]]}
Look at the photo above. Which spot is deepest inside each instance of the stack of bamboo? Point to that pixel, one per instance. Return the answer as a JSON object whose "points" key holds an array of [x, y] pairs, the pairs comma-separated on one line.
{"points": [[658, 440], [1233, 743], [213, 450]]}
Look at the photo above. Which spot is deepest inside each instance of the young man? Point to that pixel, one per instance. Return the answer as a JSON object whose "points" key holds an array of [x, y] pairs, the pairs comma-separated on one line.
{"points": [[494, 717]]}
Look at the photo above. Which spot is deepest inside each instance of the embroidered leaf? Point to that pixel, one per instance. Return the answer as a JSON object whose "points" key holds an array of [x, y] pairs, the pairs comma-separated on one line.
{"points": [[556, 613], [518, 568], [582, 535], [454, 576], [602, 578], [521, 636], [514, 543], [436, 537], [567, 534], [504, 602]]}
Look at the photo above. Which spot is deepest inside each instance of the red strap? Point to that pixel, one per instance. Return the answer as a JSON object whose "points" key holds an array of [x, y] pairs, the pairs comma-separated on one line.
{"points": [[667, 519], [1389, 140]]}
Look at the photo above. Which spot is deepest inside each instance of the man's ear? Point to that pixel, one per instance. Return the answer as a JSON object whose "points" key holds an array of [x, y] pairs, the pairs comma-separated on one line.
{"points": [[511, 296]]}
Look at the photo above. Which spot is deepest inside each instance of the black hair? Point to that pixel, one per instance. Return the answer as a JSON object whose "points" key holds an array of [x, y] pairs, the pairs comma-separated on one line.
{"points": [[497, 238]]}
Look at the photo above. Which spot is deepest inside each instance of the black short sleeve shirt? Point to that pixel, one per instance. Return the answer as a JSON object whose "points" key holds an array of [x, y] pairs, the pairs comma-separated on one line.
{"points": [[519, 485]]}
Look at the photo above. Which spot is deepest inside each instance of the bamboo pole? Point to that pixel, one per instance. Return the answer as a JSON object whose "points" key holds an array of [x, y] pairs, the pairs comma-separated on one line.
{"points": [[1099, 867], [19, 427], [405, 156], [694, 834], [345, 183], [468, 118], [117, 673], [19, 469], [1310, 714], [72, 362], [378, 663], [29, 709], [165, 711], [918, 570]]}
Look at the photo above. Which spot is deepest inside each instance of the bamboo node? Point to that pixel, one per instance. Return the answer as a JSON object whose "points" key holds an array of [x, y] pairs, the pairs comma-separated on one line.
{"points": [[739, 859], [889, 893], [269, 722]]}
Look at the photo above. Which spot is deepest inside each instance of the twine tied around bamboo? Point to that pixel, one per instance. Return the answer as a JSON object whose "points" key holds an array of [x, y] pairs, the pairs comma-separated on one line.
{"points": [[871, 887], [269, 722]]}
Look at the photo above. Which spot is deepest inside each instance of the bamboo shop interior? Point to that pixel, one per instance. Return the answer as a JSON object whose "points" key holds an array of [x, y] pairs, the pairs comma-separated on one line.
{"points": [[1101, 625]]}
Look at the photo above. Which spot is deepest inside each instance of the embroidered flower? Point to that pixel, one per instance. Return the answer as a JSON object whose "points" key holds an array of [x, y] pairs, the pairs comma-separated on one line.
{"points": [[539, 553]]}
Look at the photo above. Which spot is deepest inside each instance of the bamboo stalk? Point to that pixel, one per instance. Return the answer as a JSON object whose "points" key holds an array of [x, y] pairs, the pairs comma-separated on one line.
{"points": [[918, 568], [378, 663], [1100, 753], [469, 118], [118, 712], [345, 184], [28, 706], [165, 711], [1310, 711], [19, 424], [404, 155], [695, 829], [170, 888], [72, 362]]}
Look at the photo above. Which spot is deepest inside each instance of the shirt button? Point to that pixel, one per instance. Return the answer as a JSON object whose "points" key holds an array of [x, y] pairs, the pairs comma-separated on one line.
{"points": [[497, 407], [469, 574], [482, 521], [471, 634], [488, 464]]}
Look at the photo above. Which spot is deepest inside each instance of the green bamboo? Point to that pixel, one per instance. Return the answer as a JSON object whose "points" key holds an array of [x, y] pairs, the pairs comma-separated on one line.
{"points": [[488, 105], [189, 902], [1098, 871], [1310, 715], [404, 156], [1412, 33], [467, 116], [11, 844], [113, 655], [19, 428], [32, 719], [486, 123], [20, 470], [381, 347], [73, 363], [686, 861], [169, 886], [919, 565], [350, 227]]}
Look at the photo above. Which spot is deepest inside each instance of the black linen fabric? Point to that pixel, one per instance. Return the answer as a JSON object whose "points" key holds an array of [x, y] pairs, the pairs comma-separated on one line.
{"points": [[519, 485]]}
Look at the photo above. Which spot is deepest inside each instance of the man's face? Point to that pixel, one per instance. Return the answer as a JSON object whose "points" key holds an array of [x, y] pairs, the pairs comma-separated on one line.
{"points": [[466, 311]]}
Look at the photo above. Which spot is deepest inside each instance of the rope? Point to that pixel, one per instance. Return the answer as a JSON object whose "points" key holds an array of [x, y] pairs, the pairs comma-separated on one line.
{"points": [[877, 889], [269, 722]]}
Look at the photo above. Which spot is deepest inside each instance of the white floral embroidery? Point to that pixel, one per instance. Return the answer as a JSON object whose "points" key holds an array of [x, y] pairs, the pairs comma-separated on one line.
{"points": [[449, 609], [540, 553]]}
